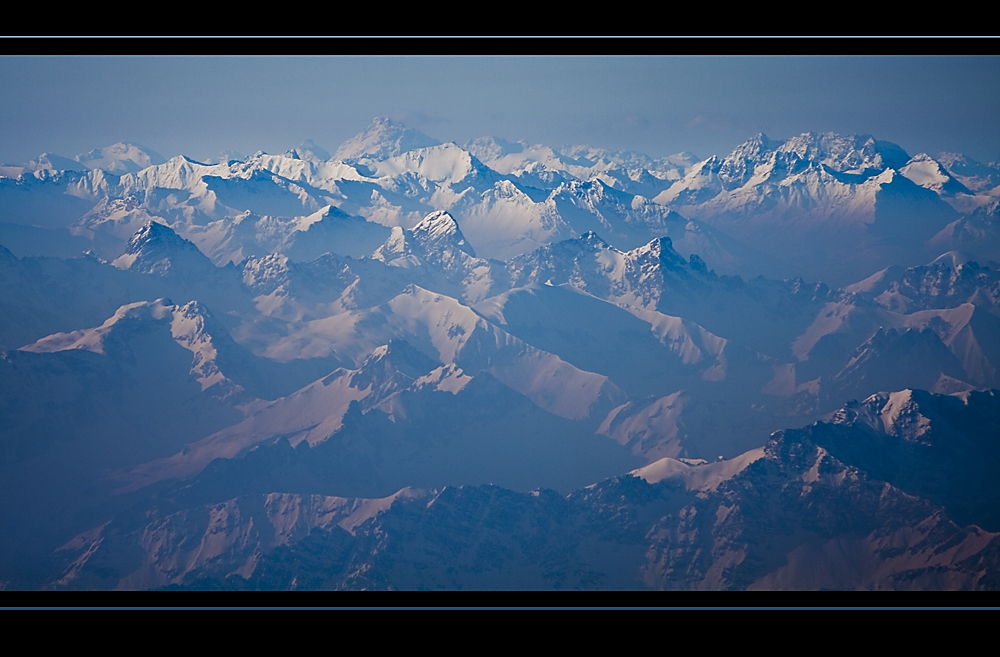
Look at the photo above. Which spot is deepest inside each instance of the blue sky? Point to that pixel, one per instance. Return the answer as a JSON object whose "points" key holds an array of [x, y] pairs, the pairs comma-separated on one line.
{"points": [[199, 106]]}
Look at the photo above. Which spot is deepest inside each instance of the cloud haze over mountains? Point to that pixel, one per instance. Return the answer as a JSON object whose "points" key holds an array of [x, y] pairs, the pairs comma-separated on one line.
{"points": [[411, 364]]}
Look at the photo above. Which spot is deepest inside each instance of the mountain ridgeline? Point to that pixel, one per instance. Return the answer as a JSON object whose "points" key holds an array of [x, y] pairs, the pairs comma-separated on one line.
{"points": [[420, 365]]}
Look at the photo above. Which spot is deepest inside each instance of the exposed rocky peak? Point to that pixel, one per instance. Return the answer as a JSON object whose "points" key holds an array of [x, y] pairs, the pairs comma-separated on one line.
{"points": [[738, 167], [948, 281], [399, 250], [661, 251], [860, 155], [589, 264], [797, 514], [847, 153], [928, 444], [892, 357], [392, 367]]}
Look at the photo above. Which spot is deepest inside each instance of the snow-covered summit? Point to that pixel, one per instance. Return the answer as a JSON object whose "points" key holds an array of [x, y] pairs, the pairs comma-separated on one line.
{"points": [[119, 158], [633, 278], [382, 139], [439, 231], [156, 249], [950, 280], [915, 416], [438, 242], [931, 174], [190, 325], [309, 150]]}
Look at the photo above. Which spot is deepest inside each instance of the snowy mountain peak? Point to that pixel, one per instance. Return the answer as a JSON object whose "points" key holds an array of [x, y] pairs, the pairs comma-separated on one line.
{"points": [[931, 174], [847, 154], [117, 159], [153, 232], [397, 250], [488, 149], [593, 240], [191, 326], [852, 154], [308, 150], [662, 250], [267, 273], [157, 249], [756, 148], [436, 241], [382, 139], [120, 158], [438, 229], [900, 413]]}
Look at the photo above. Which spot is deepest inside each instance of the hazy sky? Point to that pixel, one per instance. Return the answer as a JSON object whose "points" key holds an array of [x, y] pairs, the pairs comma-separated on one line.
{"points": [[199, 106]]}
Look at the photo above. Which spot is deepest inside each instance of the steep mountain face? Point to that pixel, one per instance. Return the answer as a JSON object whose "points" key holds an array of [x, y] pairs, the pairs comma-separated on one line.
{"points": [[931, 174], [791, 515], [41, 296], [454, 334], [976, 234], [328, 230], [312, 414], [442, 429], [80, 405], [630, 220], [893, 356], [972, 175], [211, 539], [47, 199], [939, 447], [157, 253]]}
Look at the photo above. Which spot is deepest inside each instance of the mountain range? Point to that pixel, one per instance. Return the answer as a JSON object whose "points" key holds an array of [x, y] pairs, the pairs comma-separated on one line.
{"points": [[567, 368]]}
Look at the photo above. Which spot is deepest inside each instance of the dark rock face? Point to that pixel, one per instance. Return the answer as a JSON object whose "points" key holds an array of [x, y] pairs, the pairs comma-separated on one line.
{"points": [[801, 515]]}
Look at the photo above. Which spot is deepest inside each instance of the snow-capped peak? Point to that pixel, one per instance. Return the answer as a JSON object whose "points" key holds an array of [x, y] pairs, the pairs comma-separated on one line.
{"points": [[438, 229], [437, 241], [120, 158], [191, 326], [157, 249], [310, 151], [896, 414], [931, 174], [382, 139]]}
